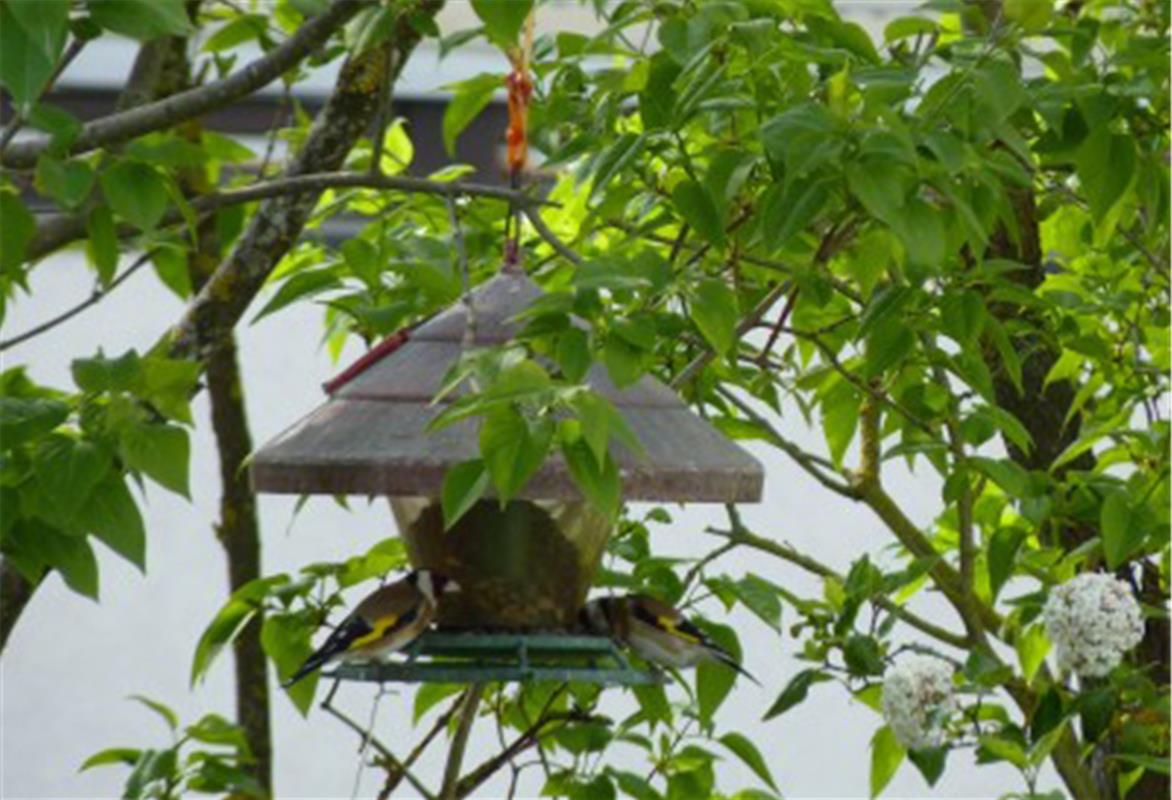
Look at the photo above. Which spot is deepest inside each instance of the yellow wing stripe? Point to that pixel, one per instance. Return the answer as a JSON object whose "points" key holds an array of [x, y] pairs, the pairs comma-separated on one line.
{"points": [[669, 625], [381, 626]]}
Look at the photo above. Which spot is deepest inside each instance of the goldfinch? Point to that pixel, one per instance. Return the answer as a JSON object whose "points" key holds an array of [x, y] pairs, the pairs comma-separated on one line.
{"points": [[388, 620], [656, 632]]}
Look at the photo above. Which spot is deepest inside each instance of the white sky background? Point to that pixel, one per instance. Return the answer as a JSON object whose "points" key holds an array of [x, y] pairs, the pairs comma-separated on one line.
{"points": [[71, 663]]}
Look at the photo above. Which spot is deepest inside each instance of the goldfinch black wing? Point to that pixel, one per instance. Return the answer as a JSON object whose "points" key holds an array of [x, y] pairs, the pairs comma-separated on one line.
{"points": [[352, 629]]}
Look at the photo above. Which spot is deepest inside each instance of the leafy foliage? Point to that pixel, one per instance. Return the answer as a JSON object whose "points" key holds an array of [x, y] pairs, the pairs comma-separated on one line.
{"points": [[946, 250], [210, 756]]}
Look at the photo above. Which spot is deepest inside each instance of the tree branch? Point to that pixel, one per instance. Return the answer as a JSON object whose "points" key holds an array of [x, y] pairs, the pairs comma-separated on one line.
{"points": [[460, 741], [685, 376], [384, 751], [528, 738], [277, 224], [192, 103], [95, 297], [813, 464], [786, 552], [60, 229]]}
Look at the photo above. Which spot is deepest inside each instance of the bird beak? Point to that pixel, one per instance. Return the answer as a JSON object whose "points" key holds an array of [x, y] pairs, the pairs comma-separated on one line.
{"points": [[451, 587]]}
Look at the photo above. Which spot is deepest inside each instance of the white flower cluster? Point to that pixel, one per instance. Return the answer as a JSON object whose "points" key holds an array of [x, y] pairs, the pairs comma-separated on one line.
{"points": [[1093, 619], [917, 700]]}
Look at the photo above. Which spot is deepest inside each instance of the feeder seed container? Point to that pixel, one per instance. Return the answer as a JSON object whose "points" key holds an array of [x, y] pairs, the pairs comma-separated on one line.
{"points": [[526, 566]]}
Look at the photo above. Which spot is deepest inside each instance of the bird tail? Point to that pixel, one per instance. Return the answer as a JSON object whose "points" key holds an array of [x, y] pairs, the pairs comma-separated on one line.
{"points": [[726, 658], [312, 664]]}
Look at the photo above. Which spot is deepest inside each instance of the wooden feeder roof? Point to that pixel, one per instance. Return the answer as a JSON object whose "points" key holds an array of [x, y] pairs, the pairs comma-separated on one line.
{"points": [[369, 437]]}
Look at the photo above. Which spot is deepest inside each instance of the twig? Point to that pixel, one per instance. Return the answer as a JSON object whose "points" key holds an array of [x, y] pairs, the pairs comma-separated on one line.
{"points": [[460, 741], [544, 231], [787, 553], [383, 750], [60, 229], [196, 102], [782, 318], [812, 463], [747, 324], [94, 298]]}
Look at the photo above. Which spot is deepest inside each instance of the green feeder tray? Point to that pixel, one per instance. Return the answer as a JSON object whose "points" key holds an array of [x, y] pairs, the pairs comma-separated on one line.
{"points": [[448, 657]]}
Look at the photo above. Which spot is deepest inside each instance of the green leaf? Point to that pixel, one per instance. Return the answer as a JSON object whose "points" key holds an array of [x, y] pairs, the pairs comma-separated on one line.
{"points": [[1105, 164], [223, 628], [1032, 647], [168, 384], [101, 374], [464, 484], [67, 471], [962, 315], [45, 22], [880, 185], [126, 756], [624, 363], [790, 211], [886, 756], [573, 354], [24, 419], [1031, 15], [430, 694], [746, 751], [653, 702], [761, 597], [114, 518], [1047, 715], [468, 100], [840, 419], [906, 27], [657, 100], [102, 245], [614, 159], [1005, 473], [136, 192], [161, 452], [1003, 547], [595, 413], [166, 714], [25, 67], [863, 656], [930, 762], [513, 448], [795, 692], [142, 19], [599, 483], [697, 207], [502, 18], [1121, 528], [920, 226], [73, 557], [302, 284], [18, 227], [714, 680], [802, 139], [714, 310], [286, 639], [1096, 709], [214, 729], [67, 182]]}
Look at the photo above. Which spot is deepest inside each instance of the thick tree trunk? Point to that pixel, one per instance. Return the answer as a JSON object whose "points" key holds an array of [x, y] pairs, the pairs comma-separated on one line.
{"points": [[239, 533]]}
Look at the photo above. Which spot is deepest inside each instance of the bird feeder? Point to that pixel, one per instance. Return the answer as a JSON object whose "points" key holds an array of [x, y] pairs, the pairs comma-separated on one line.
{"points": [[523, 566]]}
